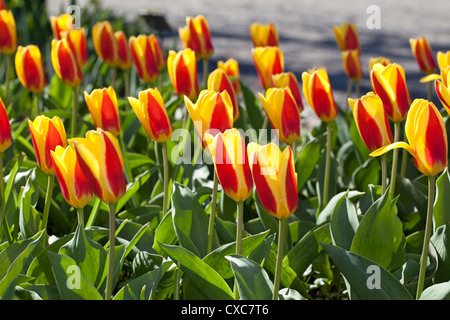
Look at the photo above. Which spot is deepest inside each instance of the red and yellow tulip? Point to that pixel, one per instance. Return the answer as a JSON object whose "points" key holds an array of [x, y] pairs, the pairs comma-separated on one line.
{"points": [[105, 43], [2, 5], [371, 120], [101, 160], [46, 134], [443, 59], [75, 187], [263, 35], [77, 42], [352, 64], [231, 68], [5, 129], [346, 36], [288, 79], [212, 113], [218, 81], [374, 60], [282, 111], [8, 32], [274, 177], [230, 158], [151, 112], [389, 83], [123, 50], [197, 36], [65, 63], [104, 109], [427, 138], [144, 59], [160, 57], [268, 61], [29, 68], [61, 24], [182, 69], [421, 50], [319, 94]]}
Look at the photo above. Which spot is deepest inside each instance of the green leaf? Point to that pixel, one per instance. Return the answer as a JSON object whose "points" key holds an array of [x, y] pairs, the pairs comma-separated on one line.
{"points": [[308, 159], [344, 223], [441, 242], [252, 106], [133, 187], [441, 214], [204, 277], [29, 218], [368, 173], [357, 271], [440, 291], [253, 283], [165, 233], [60, 92]]}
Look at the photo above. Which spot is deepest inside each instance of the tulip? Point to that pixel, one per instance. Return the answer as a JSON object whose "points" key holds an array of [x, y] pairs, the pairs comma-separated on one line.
{"points": [[218, 81], [373, 61], [158, 51], [443, 59], [65, 63], [427, 143], [196, 36], [231, 68], [282, 112], [5, 129], [29, 68], [105, 43], [100, 159], [77, 42], [182, 69], [61, 24], [275, 180], [268, 61], [2, 5], [123, 50], [352, 65], [8, 33], [75, 188], [442, 88], [422, 53], [288, 79], [346, 36], [103, 107], [263, 35], [143, 55]]}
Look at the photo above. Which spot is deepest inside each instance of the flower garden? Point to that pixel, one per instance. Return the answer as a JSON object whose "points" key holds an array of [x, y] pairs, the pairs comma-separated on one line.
{"points": [[133, 171]]}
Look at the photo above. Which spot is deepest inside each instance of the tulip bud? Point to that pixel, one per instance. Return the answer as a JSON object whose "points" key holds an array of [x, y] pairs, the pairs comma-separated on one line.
{"points": [[263, 35], [2, 5], [8, 33], [61, 24], [282, 111], [105, 43], [347, 36], [423, 55], [104, 109], [29, 68], [77, 42], [442, 88], [352, 64], [288, 79], [124, 54], [268, 61], [231, 68], [182, 69], [144, 59], [196, 36], [274, 177], [65, 63], [46, 134], [151, 112], [158, 51], [218, 81], [5, 129]]}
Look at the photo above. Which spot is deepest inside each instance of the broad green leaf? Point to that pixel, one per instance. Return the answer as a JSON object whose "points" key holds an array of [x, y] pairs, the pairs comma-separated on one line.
{"points": [[439, 291], [133, 187], [441, 242], [327, 212], [441, 214], [253, 283], [308, 159], [204, 277], [368, 173], [29, 218], [344, 223], [252, 106], [361, 274], [165, 233]]}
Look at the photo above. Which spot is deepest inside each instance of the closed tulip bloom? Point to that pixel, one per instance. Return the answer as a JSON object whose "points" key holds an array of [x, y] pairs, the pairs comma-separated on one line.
{"points": [[427, 138], [352, 64], [443, 59], [373, 61], [422, 53], [8, 33], [274, 177], [75, 187], [125, 60], [160, 57], [230, 158], [347, 37], [319, 94], [197, 36], [144, 58], [104, 109], [442, 88], [268, 61], [105, 43], [151, 112], [212, 113], [263, 35], [101, 160], [371, 120], [182, 69], [282, 111], [61, 24], [46, 134], [2, 5], [77, 42], [65, 63], [231, 68], [218, 81], [388, 82], [5, 129], [29, 68], [288, 79]]}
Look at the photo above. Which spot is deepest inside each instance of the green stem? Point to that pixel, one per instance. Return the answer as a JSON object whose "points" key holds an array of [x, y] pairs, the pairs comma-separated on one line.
{"points": [[128, 173], [327, 167], [166, 179], [38, 104], [426, 240], [176, 295], [114, 76], [127, 82], [430, 90], [395, 160], [239, 231], [7, 75], [74, 111], [357, 90], [2, 184], [349, 90], [404, 162], [212, 214], [112, 235], [80, 215], [205, 73], [48, 200], [94, 213], [281, 234], [383, 173]]}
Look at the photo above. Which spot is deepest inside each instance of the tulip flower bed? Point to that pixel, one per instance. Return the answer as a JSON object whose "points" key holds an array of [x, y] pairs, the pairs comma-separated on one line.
{"points": [[128, 174]]}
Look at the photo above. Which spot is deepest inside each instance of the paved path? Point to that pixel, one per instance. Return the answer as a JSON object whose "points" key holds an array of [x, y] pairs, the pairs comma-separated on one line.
{"points": [[305, 30]]}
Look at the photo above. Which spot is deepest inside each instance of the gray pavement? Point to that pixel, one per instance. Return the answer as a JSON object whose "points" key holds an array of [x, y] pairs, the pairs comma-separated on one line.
{"points": [[305, 29]]}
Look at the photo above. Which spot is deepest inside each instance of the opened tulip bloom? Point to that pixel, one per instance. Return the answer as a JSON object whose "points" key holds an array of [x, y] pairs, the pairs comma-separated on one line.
{"points": [[61, 24], [268, 61], [231, 68], [29, 68], [105, 43], [103, 107], [143, 54], [218, 81], [288, 79], [282, 112], [263, 35], [347, 37], [197, 36], [182, 69]]}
